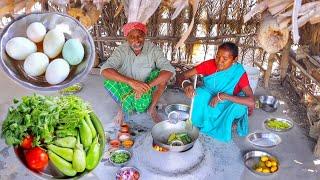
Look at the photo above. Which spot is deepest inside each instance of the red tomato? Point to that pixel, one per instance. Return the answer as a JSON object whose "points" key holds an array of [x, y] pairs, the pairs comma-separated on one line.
{"points": [[27, 142], [37, 159]]}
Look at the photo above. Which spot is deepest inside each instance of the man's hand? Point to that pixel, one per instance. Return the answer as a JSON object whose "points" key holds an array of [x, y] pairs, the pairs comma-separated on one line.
{"points": [[189, 91], [139, 86], [138, 94]]}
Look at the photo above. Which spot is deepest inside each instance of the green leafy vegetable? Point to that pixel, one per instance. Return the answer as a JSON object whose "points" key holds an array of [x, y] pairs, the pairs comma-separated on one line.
{"points": [[40, 116], [120, 157], [276, 124], [72, 89]]}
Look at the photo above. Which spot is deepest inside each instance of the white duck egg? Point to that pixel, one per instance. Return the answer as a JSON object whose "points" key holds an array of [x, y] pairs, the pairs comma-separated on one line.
{"points": [[19, 48], [53, 43], [57, 71], [36, 32], [36, 64]]}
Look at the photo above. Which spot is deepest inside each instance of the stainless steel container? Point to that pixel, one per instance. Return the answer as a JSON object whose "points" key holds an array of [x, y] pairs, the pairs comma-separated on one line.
{"points": [[251, 158], [265, 140], [120, 151], [268, 103], [290, 124], [181, 110], [161, 132], [71, 27]]}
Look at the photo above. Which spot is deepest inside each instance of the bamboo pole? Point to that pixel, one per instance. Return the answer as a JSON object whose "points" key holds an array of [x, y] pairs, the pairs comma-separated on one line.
{"points": [[269, 70], [284, 62]]}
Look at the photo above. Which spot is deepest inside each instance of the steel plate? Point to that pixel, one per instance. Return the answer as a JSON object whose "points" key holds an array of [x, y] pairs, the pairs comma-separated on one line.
{"points": [[265, 140], [279, 130]]}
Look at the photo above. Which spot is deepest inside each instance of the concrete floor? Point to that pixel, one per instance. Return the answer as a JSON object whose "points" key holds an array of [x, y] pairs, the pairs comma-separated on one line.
{"points": [[294, 152]]}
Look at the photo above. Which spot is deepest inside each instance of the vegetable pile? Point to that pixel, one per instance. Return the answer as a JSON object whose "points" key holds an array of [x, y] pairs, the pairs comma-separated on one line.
{"points": [[61, 129], [72, 89], [128, 174], [266, 164], [119, 157], [276, 124], [180, 137]]}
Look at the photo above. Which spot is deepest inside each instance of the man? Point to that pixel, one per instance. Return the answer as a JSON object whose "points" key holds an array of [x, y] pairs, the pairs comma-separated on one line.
{"points": [[136, 73]]}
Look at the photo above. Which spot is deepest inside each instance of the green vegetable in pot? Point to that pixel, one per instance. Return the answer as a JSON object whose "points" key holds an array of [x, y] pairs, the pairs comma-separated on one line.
{"points": [[79, 157], [182, 137], [65, 153], [62, 165], [93, 155], [120, 157], [85, 134], [68, 142]]}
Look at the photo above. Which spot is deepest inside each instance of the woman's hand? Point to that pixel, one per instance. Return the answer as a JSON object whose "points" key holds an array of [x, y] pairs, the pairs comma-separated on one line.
{"points": [[189, 91], [214, 101], [219, 97]]}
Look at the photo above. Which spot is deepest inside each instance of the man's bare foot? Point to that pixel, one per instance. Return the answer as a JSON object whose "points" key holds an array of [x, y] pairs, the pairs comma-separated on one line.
{"points": [[154, 115], [119, 117]]}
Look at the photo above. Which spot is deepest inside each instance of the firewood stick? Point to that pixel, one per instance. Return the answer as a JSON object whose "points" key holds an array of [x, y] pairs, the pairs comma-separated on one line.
{"points": [[304, 19], [280, 8], [315, 19], [257, 9], [305, 8], [284, 22], [274, 3]]}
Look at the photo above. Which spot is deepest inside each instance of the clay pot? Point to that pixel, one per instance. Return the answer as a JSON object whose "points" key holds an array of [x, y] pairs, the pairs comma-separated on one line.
{"points": [[124, 136], [115, 143], [124, 128], [127, 143]]}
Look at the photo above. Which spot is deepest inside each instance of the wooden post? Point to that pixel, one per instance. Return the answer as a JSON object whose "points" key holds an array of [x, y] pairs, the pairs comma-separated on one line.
{"points": [[269, 70], [284, 62], [316, 150]]}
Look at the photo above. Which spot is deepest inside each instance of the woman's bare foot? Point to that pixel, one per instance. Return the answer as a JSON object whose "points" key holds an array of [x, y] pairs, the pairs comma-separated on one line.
{"points": [[119, 117], [154, 115]]}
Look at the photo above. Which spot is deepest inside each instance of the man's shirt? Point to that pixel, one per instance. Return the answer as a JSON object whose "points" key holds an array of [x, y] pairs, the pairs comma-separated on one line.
{"points": [[138, 67]]}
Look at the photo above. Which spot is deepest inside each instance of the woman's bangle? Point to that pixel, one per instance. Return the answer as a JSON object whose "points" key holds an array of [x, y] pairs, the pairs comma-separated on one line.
{"points": [[219, 96], [186, 80]]}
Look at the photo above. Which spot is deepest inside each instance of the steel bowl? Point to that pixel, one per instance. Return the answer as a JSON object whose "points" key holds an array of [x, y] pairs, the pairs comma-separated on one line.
{"points": [[161, 132], [71, 27], [251, 158], [268, 103], [181, 109], [265, 140], [290, 123], [118, 151], [51, 172]]}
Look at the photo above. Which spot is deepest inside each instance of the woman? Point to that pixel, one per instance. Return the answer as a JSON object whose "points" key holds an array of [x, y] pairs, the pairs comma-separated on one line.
{"points": [[225, 97]]}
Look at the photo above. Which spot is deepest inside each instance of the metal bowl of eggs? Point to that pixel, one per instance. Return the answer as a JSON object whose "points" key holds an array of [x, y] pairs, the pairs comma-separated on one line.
{"points": [[46, 51]]}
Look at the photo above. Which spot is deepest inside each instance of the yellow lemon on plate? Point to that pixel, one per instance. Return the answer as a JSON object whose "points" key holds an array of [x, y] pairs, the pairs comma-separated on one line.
{"points": [[259, 169], [268, 163], [266, 170], [264, 158], [273, 168]]}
